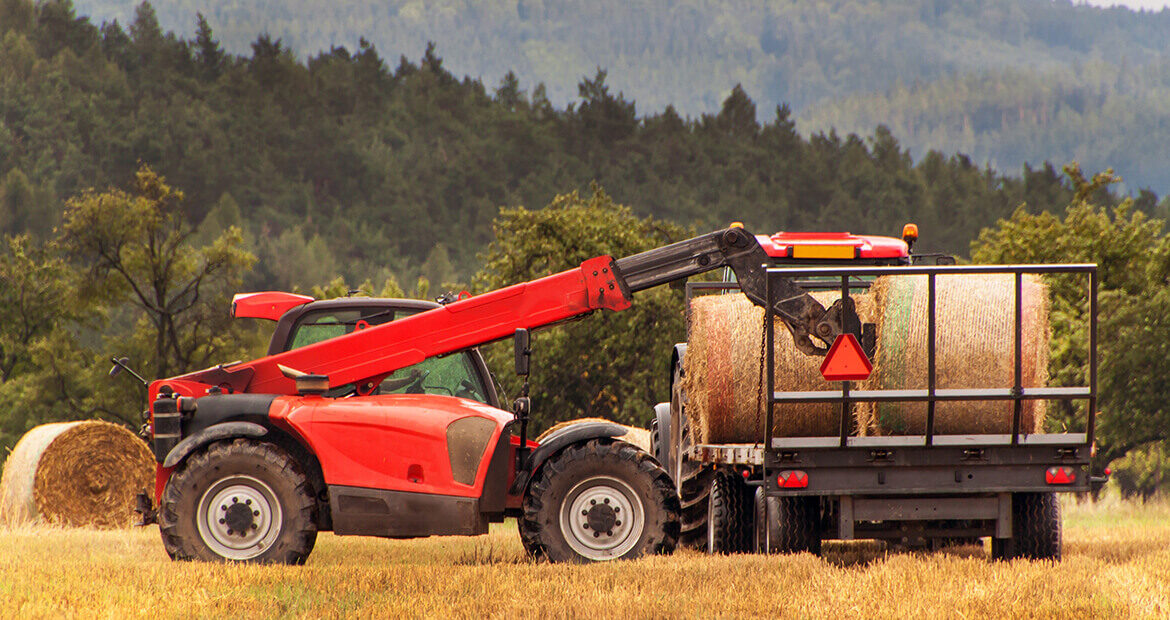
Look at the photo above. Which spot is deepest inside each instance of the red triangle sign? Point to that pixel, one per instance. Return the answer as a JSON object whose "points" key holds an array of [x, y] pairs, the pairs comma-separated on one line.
{"points": [[846, 361]]}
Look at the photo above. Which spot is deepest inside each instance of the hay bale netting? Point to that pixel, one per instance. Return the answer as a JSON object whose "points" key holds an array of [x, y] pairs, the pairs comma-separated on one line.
{"points": [[723, 373], [975, 319], [638, 436], [76, 474]]}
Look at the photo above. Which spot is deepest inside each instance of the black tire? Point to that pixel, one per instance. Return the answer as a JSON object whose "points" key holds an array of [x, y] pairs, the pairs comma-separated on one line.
{"points": [[730, 514], [574, 510], [279, 523], [694, 496], [794, 525], [1036, 529]]}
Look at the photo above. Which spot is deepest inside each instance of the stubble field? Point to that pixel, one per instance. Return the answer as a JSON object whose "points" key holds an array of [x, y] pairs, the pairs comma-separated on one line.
{"points": [[1117, 564]]}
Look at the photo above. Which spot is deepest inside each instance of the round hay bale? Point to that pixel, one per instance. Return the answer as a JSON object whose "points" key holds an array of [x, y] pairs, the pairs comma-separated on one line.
{"points": [[638, 436], [723, 373], [974, 348], [75, 474]]}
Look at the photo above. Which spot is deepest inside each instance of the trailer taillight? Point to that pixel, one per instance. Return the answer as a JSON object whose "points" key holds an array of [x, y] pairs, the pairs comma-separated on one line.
{"points": [[1060, 475], [792, 479]]}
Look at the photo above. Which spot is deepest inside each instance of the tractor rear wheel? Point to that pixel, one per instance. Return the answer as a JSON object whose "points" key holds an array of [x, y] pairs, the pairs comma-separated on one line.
{"points": [[239, 500], [694, 479], [600, 500], [730, 515]]}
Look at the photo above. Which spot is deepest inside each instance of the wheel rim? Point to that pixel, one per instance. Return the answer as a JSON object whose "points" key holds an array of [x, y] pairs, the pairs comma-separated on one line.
{"points": [[602, 518], [239, 517]]}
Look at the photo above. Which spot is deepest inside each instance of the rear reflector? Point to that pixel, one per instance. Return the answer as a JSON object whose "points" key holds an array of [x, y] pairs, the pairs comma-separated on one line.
{"points": [[1060, 475], [792, 479]]}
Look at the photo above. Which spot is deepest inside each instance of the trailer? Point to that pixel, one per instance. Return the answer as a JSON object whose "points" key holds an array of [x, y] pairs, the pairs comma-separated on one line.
{"points": [[788, 494]]}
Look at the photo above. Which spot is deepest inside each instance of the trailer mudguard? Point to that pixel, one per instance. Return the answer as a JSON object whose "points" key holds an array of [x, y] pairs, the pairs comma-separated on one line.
{"points": [[574, 433], [225, 430]]}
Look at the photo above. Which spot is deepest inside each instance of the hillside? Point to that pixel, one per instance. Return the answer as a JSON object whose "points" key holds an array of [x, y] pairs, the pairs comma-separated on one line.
{"points": [[1100, 114], [690, 53]]}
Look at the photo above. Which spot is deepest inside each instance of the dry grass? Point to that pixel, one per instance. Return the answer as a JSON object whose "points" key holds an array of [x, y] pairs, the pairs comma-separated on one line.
{"points": [[1117, 563]]}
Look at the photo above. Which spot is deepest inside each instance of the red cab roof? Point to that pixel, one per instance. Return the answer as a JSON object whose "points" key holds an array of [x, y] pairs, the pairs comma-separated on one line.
{"points": [[269, 305], [832, 246]]}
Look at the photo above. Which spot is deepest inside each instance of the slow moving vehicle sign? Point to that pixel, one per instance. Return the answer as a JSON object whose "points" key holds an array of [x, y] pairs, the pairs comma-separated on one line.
{"points": [[846, 361]]}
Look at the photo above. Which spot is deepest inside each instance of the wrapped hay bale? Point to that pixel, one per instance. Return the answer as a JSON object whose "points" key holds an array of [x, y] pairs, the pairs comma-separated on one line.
{"points": [[638, 436], [723, 373], [974, 348], [75, 474]]}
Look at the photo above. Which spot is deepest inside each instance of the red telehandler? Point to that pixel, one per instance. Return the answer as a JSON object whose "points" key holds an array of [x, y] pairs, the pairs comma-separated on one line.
{"points": [[378, 417]]}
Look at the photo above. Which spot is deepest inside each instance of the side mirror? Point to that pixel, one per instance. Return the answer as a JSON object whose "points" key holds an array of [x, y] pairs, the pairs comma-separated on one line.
{"points": [[119, 365], [522, 351]]}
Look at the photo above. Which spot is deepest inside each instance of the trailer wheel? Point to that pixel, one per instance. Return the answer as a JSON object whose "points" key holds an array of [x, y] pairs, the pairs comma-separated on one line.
{"points": [[600, 500], [1036, 532], [730, 515], [794, 525], [240, 500]]}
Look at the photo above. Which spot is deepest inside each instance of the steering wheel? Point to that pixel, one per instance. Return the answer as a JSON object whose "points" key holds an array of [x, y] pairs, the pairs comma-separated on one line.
{"points": [[467, 390], [416, 386]]}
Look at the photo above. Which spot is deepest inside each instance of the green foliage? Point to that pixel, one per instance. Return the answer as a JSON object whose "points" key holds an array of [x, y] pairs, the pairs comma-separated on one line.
{"points": [[133, 249], [35, 300], [1143, 471], [1133, 258], [603, 365]]}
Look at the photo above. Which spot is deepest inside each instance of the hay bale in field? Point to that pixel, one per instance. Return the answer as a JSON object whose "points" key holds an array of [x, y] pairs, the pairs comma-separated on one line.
{"points": [[75, 474], [638, 436], [975, 318], [723, 373]]}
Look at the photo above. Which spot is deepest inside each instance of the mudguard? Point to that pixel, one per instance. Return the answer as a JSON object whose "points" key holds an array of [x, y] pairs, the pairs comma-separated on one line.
{"points": [[225, 430], [567, 436], [676, 360]]}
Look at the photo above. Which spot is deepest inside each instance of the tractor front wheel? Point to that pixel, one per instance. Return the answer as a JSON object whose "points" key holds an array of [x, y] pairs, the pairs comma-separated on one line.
{"points": [[239, 500], [600, 500]]}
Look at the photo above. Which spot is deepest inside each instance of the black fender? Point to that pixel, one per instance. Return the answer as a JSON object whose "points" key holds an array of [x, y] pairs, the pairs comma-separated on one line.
{"points": [[662, 447], [561, 439], [216, 432]]}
